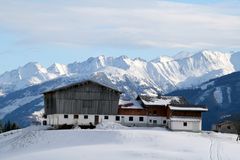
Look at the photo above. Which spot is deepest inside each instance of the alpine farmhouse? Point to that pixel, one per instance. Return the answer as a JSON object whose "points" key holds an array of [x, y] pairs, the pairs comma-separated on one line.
{"points": [[89, 103]]}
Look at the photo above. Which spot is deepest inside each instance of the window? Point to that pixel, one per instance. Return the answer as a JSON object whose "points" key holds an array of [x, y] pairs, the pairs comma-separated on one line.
{"points": [[85, 116], [130, 118], [185, 124], [150, 121], [65, 116], [44, 123], [141, 119], [154, 112], [105, 117], [164, 121], [154, 121], [117, 118], [75, 116], [228, 127]]}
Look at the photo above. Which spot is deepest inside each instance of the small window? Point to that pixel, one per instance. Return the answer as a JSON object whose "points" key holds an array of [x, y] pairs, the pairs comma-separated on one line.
{"points": [[154, 121], [150, 121], [65, 116], [75, 116], [85, 116], [164, 121], [130, 118], [44, 123], [117, 118], [154, 112], [185, 124], [228, 127], [105, 117], [141, 119]]}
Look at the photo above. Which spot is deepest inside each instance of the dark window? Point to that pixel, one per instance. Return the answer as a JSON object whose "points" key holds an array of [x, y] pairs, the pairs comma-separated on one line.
{"points": [[141, 119], [65, 116], [130, 118], [75, 116], [150, 121], [117, 118], [44, 123], [154, 112], [164, 121], [85, 116], [228, 127], [105, 117], [154, 121], [184, 123]]}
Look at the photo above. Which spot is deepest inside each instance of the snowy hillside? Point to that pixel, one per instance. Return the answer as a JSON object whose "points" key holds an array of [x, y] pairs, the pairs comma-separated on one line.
{"points": [[221, 95], [163, 74], [116, 144]]}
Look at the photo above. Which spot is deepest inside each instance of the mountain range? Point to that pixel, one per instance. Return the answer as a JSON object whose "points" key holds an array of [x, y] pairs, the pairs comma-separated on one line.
{"points": [[21, 89]]}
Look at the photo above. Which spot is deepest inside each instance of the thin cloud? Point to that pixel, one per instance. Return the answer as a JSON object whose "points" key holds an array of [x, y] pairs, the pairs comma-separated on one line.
{"points": [[123, 24]]}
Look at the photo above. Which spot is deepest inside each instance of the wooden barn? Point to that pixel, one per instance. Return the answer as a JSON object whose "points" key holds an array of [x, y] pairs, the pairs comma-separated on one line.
{"points": [[81, 103], [89, 103]]}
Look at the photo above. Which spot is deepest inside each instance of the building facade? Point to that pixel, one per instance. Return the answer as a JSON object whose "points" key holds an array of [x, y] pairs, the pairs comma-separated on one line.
{"points": [[90, 103]]}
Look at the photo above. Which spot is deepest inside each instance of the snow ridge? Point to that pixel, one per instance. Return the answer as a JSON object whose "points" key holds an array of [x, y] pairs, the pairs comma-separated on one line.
{"points": [[159, 75]]}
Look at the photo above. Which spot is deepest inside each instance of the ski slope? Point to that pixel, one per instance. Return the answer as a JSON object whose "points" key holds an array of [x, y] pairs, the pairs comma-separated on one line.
{"points": [[116, 143]]}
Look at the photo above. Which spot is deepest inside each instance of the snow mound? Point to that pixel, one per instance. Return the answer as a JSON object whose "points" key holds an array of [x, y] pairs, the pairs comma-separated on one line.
{"points": [[110, 125]]}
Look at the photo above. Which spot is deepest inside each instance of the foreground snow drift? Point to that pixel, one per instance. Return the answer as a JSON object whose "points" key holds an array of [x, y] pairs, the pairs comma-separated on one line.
{"points": [[116, 144]]}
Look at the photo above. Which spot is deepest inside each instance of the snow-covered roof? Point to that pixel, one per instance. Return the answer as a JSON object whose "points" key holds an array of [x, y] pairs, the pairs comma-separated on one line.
{"points": [[188, 108], [162, 100], [131, 104], [82, 83]]}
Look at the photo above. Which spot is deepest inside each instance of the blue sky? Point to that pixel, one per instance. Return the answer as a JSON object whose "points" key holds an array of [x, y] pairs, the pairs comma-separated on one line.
{"points": [[67, 31]]}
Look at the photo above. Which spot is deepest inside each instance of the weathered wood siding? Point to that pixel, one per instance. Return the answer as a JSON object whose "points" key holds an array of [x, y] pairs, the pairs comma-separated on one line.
{"points": [[171, 113], [132, 111], [89, 98], [157, 110]]}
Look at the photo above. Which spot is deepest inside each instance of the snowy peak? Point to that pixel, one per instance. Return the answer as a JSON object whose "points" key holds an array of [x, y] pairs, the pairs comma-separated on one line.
{"points": [[162, 74], [163, 59], [58, 69]]}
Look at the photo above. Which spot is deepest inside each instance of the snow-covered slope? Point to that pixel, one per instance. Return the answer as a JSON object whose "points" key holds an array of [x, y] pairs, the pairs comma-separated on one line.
{"points": [[164, 74], [116, 144]]}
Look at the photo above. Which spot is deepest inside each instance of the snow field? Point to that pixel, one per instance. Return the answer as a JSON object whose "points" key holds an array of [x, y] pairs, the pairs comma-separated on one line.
{"points": [[116, 143]]}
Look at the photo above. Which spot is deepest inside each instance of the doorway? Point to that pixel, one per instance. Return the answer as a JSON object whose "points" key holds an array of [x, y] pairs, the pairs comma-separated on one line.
{"points": [[96, 120]]}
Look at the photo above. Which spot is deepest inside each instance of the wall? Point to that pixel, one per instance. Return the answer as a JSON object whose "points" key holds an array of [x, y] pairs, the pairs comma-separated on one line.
{"points": [[192, 125], [58, 119]]}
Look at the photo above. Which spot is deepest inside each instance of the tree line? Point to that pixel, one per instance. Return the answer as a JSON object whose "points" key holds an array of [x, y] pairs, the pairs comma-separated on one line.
{"points": [[8, 126]]}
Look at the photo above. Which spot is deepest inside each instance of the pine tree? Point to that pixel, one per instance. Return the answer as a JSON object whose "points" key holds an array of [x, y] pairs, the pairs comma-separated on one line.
{"points": [[1, 127]]}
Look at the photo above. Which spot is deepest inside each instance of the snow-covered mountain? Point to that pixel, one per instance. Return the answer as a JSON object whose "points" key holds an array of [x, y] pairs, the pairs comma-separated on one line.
{"points": [[22, 88], [28, 75], [163, 74]]}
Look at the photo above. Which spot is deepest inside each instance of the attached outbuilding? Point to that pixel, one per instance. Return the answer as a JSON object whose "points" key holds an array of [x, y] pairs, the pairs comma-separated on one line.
{"points": [[185, 117]]}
